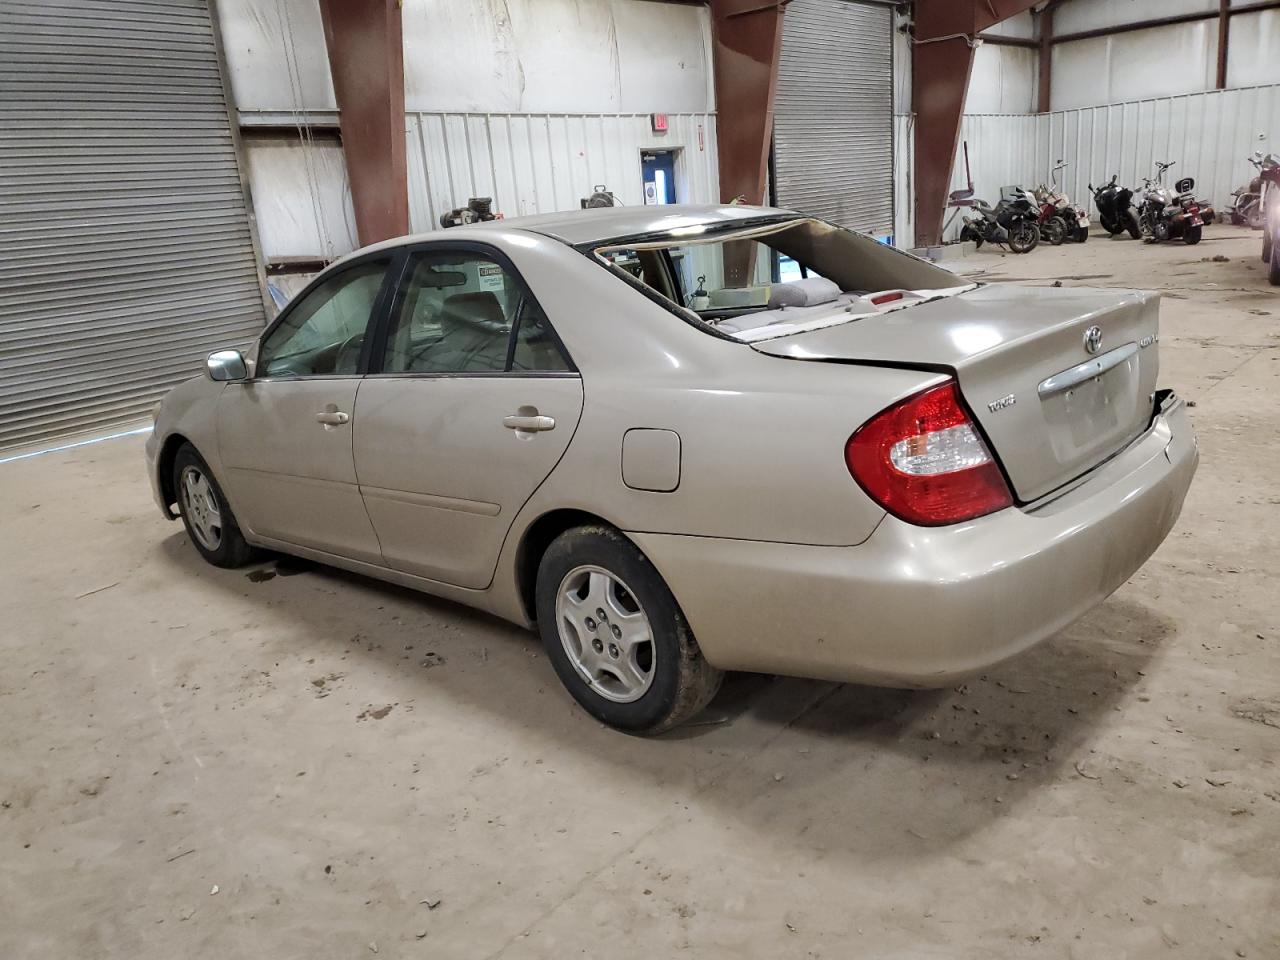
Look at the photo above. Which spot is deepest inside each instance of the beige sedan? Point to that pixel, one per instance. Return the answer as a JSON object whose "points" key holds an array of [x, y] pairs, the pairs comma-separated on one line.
{"points": [[684, 440]]}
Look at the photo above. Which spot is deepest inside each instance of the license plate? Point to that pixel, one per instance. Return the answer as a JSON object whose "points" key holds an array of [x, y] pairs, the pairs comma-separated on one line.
{"points": [[1197, 222]]}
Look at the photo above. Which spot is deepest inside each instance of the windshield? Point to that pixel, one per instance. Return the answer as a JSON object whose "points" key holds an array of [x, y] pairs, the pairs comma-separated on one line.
{"points": [[776, 279]]}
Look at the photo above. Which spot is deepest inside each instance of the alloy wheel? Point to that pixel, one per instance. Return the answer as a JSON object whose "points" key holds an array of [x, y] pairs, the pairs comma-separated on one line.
{"points": [[605, 633], [200, 504]]}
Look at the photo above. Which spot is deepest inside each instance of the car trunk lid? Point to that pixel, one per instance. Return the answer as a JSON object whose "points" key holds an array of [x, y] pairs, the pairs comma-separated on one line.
{"points": [[1059, 379]]}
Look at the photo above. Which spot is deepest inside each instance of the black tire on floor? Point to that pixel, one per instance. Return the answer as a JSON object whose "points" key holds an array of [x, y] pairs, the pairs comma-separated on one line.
{"points": [[1053, 231], [682, 683], [1266, 245], [1191, 236], [231, 549], [1273, 273]]}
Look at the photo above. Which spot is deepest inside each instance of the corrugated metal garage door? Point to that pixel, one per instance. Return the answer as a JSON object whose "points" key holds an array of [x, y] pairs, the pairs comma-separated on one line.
{"points": [[833, 115], [125, 249]]}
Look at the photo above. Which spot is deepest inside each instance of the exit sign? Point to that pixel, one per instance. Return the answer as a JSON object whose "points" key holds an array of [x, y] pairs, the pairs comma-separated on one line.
{"points": [[659, 122]]}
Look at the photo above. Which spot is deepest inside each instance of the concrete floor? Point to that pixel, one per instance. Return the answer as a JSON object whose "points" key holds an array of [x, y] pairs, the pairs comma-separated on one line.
{"points": [[189, 764]]}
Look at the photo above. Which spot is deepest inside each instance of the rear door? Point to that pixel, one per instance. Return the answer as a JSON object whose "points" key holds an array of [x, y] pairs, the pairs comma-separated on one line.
{"points": [[470, 403]]}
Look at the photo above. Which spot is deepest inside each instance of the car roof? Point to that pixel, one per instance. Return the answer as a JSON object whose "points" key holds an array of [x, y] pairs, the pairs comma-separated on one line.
{"points": [[602, 224]]}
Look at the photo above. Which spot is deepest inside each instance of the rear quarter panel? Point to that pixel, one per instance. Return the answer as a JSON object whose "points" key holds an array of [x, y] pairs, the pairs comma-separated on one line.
{"points": [[762, 438]]}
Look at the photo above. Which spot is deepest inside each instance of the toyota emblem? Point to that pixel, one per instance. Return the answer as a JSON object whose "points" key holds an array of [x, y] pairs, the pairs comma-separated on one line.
{"points": [[1093, 339]]}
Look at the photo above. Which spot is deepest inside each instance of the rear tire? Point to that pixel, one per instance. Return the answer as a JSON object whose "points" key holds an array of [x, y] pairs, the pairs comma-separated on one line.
{"points": [[1054, 231], [1023, 236], [616, 636], [1191, 236], [1273, 274], [205, 512], [1081, 234]]}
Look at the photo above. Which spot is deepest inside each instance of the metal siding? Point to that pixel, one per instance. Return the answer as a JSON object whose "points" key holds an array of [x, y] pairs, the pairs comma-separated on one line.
{"points": [[1210, 135], [125, 246], [833, 115], [540, 163]]}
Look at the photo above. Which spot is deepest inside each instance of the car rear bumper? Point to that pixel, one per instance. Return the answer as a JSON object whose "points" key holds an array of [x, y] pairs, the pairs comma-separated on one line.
{"points": [[921, 607]]}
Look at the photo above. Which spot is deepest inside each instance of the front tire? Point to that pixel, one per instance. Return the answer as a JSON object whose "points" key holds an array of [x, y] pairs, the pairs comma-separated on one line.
{"points": [[1023, 236], [616, 636], [1134, 227], [206, 513], [1273, 273]]}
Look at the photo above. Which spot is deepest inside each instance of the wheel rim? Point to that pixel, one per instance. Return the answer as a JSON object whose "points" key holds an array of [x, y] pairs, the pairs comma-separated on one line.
{"points": [[200, 506], [605, 634]]}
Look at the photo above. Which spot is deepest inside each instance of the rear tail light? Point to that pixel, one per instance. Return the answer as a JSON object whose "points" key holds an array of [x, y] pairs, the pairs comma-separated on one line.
{"points": [[924, 461]]}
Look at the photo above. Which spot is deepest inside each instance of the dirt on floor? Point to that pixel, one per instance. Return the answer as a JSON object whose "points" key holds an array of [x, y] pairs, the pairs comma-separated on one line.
{"points": [[290, 761]]}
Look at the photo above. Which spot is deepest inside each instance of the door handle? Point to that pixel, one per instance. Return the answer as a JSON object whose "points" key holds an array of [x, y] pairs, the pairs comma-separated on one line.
{"points": [[332, 418], [533, 424]]}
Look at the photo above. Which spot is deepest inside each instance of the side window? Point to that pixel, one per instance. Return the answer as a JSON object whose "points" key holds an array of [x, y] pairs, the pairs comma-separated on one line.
{"points": [[323, 334], [456, 315], [536, 347]]}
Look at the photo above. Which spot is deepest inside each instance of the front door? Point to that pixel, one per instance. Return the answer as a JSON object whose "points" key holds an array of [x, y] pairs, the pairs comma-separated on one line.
{"points": [[285, 434], [469, 407]]}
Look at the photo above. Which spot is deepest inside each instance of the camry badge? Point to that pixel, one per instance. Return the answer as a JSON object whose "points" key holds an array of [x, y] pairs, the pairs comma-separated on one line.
{"points": [[1093, 339]]}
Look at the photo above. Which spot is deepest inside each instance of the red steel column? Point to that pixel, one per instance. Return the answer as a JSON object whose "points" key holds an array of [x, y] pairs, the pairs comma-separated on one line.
{"points": [[366, 58], [942, 58], [746, 40]]}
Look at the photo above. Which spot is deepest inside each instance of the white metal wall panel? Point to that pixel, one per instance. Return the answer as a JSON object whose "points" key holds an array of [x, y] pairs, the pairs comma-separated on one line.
{"points": [[276, 55], [1003, 80], [1210, 136], [302, 200], [1253, 50], [125, 247], [540, 163], [1081, 15], [1159, 62], [833, 114], [556, 56]]}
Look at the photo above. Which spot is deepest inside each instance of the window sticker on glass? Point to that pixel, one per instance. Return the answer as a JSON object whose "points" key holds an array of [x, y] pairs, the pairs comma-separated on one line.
{"points": [[491, 277]]}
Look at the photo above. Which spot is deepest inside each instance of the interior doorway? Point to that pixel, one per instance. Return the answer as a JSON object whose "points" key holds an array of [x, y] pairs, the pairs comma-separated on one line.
{"points": [[658, 172]]}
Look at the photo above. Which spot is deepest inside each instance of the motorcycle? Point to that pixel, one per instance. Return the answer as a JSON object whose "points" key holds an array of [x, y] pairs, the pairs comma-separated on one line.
{"points": [[1270, 204], [1246, 202], [1011, 222], [1055, 204], [1115, 209], [1172, 214]]}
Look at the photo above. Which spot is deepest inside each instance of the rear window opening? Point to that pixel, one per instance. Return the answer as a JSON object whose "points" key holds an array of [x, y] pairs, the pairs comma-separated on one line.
{"points": [[770, 281]]}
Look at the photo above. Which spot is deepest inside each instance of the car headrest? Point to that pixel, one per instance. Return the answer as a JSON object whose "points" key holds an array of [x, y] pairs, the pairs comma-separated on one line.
{"points": [[808, 292], [472, 310]]}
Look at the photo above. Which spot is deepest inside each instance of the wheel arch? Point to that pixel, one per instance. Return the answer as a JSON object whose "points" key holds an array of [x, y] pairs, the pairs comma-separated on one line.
{"points": [[164, 470], [535, 540]]}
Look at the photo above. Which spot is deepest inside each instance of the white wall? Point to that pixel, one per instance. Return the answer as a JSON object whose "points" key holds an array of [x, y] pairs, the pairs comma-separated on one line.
{"points": [[1253, 49], [1158, 61], [1004, 80], [538, 163], [1076, 16], [301, 197], [531, 102], [276, 55], [554, 56], [1162, 61]]}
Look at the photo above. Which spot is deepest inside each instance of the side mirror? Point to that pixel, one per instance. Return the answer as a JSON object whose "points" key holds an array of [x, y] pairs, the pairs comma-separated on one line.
{"points": [[226, 365]]}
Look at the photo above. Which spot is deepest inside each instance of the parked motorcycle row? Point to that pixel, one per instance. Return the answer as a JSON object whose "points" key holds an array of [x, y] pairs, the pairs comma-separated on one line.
{"points": [[1023, 218], [1160, 214], [1257, 206]]}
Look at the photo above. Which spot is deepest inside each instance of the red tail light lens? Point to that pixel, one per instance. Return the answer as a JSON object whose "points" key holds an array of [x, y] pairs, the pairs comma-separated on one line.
{"points": [[924, 461]]}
